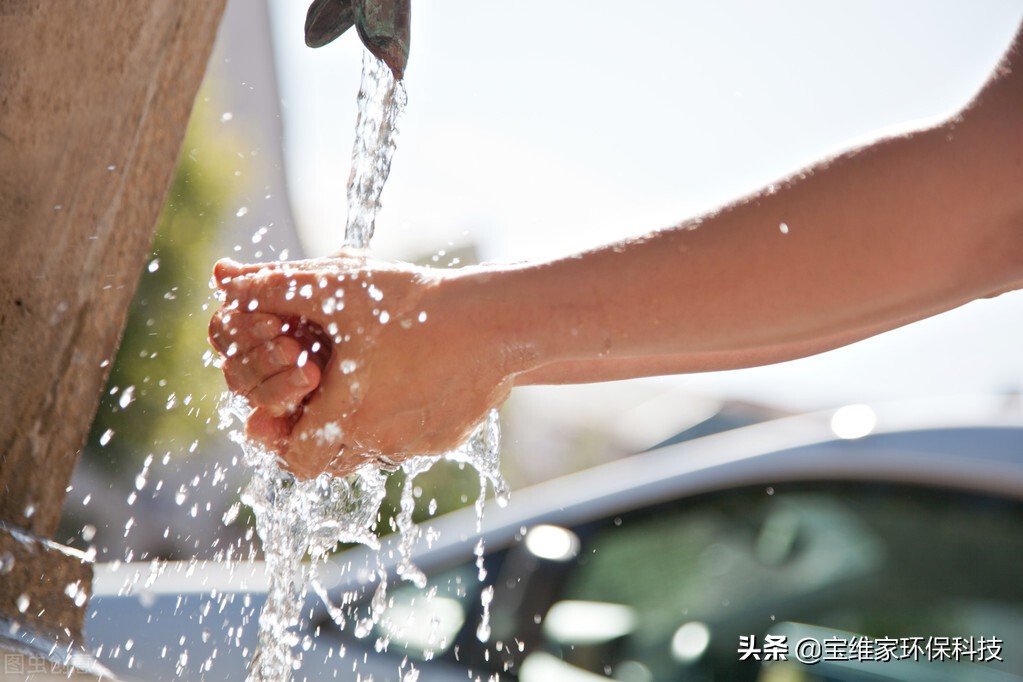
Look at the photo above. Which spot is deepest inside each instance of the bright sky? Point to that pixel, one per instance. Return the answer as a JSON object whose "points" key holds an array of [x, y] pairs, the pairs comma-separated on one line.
{"points": [[536, 128]]}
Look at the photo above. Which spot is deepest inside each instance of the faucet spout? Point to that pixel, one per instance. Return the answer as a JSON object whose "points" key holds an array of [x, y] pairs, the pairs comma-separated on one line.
{"points": [[383, 26]]}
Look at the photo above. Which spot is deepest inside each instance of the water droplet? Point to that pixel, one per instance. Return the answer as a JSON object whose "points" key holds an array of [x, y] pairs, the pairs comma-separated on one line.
{"points": [[770, 490], [783, 228], [422, 316], [348, 366], [76, 594], [6, 563], [363, 628], [241, 212], [23, 602], [306, 291], [384, 317], [226, 116], [127, 396], [486, 597], [88, 532], [231, 514], [105, 438], [154, 265]]}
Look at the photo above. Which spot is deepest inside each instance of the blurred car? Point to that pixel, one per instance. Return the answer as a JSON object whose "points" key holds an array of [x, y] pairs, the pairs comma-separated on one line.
{"points": [[860, 544]]}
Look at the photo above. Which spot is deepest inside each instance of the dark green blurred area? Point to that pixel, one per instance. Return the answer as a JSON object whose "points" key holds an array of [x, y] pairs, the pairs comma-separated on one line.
{"points": [[160, 360]]}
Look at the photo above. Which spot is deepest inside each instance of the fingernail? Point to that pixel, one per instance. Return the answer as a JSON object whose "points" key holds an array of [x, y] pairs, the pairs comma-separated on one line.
{"points": [[280, 358], [298, 378]]}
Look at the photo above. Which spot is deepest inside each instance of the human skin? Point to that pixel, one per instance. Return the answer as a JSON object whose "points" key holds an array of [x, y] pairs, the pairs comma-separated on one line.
{"points": [[876, 238]]}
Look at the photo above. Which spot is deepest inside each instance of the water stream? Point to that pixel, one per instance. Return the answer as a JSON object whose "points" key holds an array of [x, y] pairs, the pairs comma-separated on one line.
{"points": [[296, 519], [382, 99]]}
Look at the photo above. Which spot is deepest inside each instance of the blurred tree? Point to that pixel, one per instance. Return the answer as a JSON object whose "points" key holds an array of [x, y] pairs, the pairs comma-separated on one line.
{"points": [[159, 397]]}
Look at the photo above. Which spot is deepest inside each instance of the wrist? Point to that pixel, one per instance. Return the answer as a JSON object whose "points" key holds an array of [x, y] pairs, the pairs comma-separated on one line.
{"points": [[529, 315], [488, 304]]}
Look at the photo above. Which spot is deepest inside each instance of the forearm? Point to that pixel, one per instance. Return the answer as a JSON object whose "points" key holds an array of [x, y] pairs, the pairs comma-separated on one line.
{"points": [[614, 369], [903, 229]]}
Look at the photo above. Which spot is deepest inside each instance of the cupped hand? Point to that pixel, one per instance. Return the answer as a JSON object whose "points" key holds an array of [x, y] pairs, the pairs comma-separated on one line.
{"points": [[347, 359]]}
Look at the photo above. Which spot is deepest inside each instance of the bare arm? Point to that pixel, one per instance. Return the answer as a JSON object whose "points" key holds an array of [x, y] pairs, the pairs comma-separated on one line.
{"points": [[882, 236], [874, 239]]}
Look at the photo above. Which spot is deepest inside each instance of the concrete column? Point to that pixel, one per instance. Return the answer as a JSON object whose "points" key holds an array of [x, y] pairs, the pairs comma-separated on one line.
{"points": [[95, 97]]}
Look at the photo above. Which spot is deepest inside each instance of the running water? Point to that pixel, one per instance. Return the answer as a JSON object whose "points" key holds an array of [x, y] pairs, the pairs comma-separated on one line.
{"points": [[300, 518], [381, 101]]}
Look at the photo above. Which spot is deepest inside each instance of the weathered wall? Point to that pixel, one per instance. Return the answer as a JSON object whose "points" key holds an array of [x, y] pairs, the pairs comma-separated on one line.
{"points": [[94, 100]]}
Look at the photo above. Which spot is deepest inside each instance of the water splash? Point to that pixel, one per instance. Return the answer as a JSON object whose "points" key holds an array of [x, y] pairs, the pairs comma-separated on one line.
{"points": [[381, 101], [295, 518]]}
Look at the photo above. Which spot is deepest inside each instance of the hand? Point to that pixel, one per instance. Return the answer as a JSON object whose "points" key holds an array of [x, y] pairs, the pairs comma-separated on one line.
{"points": [[263, 358], [393, 364]]}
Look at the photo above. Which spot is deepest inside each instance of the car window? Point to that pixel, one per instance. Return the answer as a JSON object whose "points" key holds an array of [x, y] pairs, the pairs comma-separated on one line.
{"points": [[687, 590]]}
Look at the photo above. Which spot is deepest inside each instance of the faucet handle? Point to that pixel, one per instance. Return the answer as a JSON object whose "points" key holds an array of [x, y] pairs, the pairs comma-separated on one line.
{"points": [[383, 26], [328, 19]]}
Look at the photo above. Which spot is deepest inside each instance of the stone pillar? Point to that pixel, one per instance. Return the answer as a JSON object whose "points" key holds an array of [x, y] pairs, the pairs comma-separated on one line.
{"points": [[95, 97]]}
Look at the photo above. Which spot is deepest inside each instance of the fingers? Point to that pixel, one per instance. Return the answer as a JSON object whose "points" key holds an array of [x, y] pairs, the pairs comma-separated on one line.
{"points": [[282, 393], [272, 432], [286, 292], [304, 457], [244, 330], [226, 269], [244, 370]]}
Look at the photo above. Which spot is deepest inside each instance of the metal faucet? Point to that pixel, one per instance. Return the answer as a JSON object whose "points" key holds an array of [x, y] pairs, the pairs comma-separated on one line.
{"points": [[383, 26]]}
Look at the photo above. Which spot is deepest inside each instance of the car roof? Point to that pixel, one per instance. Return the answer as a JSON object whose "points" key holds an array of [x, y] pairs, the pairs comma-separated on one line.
{"points": [[970, 444]]}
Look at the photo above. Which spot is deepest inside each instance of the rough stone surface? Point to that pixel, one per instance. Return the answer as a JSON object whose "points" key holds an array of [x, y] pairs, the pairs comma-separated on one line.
{"points": [[94, 101], [44, 585], [95, 97]]}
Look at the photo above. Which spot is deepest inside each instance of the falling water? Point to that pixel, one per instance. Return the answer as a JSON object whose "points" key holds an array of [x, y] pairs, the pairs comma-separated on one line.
{"points": [[381, 101], [300, 518]]}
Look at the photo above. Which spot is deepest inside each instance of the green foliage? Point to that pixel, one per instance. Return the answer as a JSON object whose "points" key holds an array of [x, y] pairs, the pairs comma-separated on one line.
{"points": [[159, 363]]}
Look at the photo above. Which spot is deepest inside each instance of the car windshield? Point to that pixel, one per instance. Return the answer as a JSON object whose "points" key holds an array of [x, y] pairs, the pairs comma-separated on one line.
{"points": [[686, 591], [887, 581]]}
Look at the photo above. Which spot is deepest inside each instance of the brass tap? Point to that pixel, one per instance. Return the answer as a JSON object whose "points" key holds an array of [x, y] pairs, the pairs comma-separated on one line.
{"points": [[383, 26]]}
